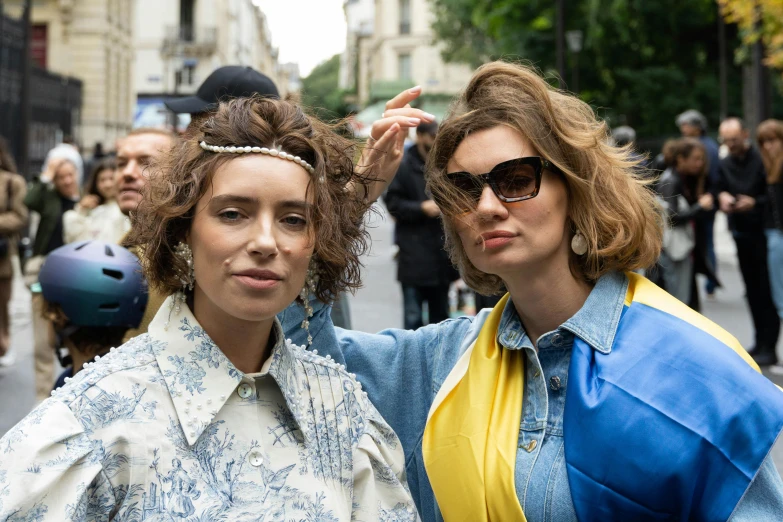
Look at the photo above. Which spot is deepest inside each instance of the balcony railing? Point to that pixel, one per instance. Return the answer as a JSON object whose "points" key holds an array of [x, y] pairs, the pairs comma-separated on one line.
{"points": [[190, 40]]}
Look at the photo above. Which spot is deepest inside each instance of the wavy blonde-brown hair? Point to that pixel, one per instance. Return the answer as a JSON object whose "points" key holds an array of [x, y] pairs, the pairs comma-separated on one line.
{"points": [[770, 130], [165, 213], [609, 203]]}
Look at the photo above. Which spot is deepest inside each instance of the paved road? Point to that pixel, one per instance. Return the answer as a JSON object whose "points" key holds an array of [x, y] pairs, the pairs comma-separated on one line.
{"points": [[376, 306]]}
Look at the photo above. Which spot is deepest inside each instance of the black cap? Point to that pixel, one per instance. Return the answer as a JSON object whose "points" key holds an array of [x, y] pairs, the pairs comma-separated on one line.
{"points": [[231, 81]]}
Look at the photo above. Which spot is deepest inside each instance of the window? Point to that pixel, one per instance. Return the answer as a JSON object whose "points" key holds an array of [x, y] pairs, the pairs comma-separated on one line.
{"points": [[405, 16], [186, 11], [404, 67], [186, 75], [38, 44]]}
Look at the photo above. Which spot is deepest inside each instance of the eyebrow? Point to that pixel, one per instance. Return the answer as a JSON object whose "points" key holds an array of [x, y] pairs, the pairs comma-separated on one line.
{"points": [[225, 199]]}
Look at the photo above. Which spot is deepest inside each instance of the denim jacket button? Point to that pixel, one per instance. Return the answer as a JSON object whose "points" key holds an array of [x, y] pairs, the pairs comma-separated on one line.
{"points": [[530, 445], [554, 382], [557, 339]]}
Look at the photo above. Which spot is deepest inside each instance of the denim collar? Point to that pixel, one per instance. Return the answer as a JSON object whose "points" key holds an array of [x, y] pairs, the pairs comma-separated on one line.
{"points": [[595, 323]]}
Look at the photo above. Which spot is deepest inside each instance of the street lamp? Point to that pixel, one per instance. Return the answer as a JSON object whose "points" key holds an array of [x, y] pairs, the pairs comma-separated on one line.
{"points": [[574, 40]]}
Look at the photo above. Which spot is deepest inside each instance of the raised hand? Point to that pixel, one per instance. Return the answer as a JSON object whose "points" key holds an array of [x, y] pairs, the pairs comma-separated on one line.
{"points": [[383, 153]]}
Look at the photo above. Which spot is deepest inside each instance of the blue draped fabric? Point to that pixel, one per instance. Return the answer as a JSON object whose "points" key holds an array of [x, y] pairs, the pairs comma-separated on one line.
{"points": [[670, 405]]}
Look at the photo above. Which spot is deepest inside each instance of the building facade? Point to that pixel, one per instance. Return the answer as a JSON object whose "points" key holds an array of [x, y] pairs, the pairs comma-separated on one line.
{"points": [[400, 52], [91, 40], [183, 41], [360, 22]]}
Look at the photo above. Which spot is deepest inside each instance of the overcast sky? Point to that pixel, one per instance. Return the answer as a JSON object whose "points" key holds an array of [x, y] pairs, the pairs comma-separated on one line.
{"points": [[307, 32]]}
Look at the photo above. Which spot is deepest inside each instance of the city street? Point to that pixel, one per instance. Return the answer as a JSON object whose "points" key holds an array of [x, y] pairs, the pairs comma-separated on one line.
{"points": [[376, 306]]}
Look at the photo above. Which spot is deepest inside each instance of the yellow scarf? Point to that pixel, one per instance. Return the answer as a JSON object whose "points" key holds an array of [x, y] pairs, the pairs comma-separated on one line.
{"points": [[470, 440]]}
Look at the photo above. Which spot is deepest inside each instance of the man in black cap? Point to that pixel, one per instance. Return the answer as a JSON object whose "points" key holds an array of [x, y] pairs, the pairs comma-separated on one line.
{"points": [[231, 81]]}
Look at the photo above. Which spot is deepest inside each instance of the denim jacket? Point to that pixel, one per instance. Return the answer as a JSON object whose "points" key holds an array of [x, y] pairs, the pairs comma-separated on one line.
{"points": [[403, 370]]}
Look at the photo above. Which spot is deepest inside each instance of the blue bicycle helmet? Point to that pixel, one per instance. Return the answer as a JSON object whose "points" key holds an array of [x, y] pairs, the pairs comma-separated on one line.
{"points": [[95, 284]]}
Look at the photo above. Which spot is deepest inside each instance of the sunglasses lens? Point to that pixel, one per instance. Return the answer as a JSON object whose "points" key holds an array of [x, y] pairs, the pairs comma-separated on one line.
{"points": [[469, 186], [516, 181]]}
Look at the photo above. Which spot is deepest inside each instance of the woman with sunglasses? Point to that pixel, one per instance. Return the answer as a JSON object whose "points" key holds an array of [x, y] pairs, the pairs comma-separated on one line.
{"points": [[587, 393]]}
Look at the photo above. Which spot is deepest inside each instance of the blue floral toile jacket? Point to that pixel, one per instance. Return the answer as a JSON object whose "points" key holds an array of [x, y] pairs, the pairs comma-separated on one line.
{"points": [[166, 428]]}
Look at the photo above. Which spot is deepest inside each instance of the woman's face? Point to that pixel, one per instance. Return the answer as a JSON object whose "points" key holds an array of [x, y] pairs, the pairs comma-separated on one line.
{"points": [[65, 180], [250, 238], [773, 146], [107, 184], [506, 238], [693, 164]]}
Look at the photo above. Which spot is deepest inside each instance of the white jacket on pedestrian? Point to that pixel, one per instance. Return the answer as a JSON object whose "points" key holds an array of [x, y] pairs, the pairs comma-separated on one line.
{"points": [[103, 223]]}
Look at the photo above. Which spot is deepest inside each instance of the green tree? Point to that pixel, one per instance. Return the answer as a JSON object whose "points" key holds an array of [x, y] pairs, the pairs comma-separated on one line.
{"points": [[759, 19], [321, 91], [642, 61]]}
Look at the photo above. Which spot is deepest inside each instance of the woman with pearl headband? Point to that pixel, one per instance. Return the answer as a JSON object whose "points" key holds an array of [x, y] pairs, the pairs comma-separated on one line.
{"points": [[214, 413]]}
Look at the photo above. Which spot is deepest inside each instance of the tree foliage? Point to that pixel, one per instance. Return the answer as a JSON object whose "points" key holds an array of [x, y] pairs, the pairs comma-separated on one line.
{"points": [[642, 61], [759, 19], [321, 91]]}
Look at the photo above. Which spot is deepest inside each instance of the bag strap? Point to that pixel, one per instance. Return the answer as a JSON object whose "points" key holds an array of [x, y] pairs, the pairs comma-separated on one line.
{"points": [[10, 193]]}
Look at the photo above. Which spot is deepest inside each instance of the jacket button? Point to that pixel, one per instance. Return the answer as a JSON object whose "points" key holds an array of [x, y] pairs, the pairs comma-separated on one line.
{"points": [[554, 382], [255, 458], [245, 391]]}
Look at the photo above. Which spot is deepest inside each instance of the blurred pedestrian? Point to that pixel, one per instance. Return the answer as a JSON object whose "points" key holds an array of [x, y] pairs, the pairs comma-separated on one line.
{"points": [[97, 216], [13, 218], [693, 124], [742, 194], [98, 154], [137, 153], [625, 136], [770, 139], [423, 266], [682, 190], [92, 293], [67, 150], [51, 195], [224, 83]]}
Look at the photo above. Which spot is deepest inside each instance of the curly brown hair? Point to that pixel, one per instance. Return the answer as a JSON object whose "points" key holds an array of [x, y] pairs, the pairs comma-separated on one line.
{"points": [[609, 202], [164, 216]]}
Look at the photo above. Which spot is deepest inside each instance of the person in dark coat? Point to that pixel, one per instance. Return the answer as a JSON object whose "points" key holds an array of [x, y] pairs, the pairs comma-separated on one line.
{"points": [[742, 194], [693, 124], [423, 267]]}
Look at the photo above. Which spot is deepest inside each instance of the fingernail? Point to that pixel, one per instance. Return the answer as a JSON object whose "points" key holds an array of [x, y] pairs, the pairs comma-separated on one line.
{"points": [[414, 90], [414, 121], [429, 116]]}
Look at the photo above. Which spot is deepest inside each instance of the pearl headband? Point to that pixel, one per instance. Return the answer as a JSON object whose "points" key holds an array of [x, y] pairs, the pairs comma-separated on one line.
{"points": [[263, 150]]}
